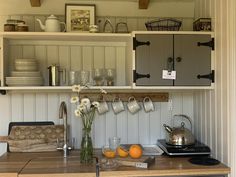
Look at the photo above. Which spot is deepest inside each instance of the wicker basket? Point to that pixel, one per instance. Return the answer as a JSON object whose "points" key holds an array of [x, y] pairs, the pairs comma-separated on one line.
{"points": [[167, 24]]}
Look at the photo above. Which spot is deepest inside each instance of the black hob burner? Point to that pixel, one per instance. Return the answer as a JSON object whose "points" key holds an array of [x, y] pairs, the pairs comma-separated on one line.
{"points": [[197, 148]]}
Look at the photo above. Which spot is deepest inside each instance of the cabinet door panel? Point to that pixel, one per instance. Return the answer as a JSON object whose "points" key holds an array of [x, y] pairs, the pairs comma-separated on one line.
{"points": [[195, 60], [153, 59]]}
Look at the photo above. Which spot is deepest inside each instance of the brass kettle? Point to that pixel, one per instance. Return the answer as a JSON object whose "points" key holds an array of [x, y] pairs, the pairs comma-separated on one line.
{"points": [[179, 136]]}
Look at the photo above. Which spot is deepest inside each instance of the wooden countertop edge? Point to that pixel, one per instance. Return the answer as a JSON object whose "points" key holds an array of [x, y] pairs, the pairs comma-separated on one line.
{"points": [[184, 172]]}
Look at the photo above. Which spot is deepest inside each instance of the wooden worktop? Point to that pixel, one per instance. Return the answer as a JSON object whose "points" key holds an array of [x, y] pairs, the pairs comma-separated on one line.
{"points": [[52, 164]]}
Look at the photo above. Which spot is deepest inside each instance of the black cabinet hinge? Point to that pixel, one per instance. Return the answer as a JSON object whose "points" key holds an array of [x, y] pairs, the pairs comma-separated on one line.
{"points": [[210, 76], [208, 44], [137, 76], [137, 43], [3, 92]]}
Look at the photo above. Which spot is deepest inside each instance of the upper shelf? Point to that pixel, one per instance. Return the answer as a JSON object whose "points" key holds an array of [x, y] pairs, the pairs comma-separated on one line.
{"points": [[114, 37]]}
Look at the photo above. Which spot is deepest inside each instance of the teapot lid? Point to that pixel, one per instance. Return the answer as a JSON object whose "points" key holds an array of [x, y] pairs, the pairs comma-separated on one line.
{"points": [[52, 17]]}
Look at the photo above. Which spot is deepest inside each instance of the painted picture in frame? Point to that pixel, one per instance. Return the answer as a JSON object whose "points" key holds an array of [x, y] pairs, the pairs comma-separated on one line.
{"points": [[79, 17]]}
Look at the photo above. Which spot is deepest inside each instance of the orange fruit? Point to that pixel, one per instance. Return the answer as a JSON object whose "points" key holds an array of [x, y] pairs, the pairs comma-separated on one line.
{"points": [[135, 151], [109, 153], [122, 152]]}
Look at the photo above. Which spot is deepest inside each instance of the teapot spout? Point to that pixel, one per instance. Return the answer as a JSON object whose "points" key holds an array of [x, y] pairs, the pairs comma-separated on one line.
{"points": [[167, 128], [43, 27]]}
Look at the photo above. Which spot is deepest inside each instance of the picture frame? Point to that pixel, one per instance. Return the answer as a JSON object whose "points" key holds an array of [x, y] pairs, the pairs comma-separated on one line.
{"points": [[79, 17]]}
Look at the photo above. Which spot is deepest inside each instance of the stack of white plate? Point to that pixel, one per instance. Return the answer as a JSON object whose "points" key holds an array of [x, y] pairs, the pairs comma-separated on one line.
{"points": [[26, 74]]}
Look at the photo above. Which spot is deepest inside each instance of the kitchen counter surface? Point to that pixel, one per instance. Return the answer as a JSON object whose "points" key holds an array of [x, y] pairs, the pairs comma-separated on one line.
{"points": [[52, 164]]}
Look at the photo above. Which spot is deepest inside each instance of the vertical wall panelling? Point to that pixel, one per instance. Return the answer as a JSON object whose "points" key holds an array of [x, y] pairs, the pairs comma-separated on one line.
{"points": [[111, 124], [17, 107], [187, 107], [144, 127], [155, 124], [53, 107], [76, 58], [87, 59], [122, 126], [41, 107], [220, 115], [64, 63], [29, 110], [100, 130], [41, 57], [52, 55], [99, 57], [133, 125], [141, 127], [28, 52], [120, 63]]}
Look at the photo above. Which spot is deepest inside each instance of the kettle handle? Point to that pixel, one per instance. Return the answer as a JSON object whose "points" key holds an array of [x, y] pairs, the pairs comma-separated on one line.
{"points": [[186, 117], [64, 25]]}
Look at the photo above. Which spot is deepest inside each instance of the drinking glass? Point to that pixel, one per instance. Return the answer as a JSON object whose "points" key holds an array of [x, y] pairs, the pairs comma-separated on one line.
{"points": [[84, 77], [110, 76], [110, 153], [98, 75]]}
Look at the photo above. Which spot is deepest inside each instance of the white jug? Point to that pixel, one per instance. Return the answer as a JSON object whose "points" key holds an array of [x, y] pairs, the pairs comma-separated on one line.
{"points": [[52, 24]]}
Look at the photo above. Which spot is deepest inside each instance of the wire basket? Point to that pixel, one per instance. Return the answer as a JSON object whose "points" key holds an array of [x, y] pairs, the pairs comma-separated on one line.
{"points": [[168, 24]]}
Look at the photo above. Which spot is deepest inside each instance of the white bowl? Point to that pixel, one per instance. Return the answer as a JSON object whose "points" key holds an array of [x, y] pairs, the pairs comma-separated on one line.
{"points": [[25, 61], [25, 74], [26, 67], [24, 81]]}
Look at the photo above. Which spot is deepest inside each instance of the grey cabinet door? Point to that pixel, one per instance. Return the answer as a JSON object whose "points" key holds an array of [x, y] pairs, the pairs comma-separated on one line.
{"points": [[191, 60], [153, 59]]}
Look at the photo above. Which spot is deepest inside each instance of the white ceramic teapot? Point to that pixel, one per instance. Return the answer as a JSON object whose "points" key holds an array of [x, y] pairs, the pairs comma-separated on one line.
{"points": [[52, 24]]}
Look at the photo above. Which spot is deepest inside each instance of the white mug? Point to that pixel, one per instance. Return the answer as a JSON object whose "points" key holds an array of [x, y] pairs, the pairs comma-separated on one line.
{"points": [[117, 105], [133, 105], [103, 107], [148, 104]]}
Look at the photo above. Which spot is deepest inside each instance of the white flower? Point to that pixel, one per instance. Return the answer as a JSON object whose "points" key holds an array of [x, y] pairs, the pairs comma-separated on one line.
{"points": [[78, 113], [76, 88], [74, 99], [85, 101], [95, 104]]}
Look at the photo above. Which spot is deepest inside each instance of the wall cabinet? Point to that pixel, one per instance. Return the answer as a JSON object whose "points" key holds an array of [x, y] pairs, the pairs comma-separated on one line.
{"points": [[189, 55], [85, 51]]}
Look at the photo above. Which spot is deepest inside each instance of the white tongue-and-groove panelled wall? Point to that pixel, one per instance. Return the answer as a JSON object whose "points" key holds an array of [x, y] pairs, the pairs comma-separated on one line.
{"points": [[214, 111]]}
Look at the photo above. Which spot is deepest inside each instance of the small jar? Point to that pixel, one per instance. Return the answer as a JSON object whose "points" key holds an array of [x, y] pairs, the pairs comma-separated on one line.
{"points": [[22, 27], [9, 27]]}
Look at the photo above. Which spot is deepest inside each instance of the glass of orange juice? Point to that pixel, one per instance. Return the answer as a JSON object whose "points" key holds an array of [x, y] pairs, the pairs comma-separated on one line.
{"points": [[110, 153]]}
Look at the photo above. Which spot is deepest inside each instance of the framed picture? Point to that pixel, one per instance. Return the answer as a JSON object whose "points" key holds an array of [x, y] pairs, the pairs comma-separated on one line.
{"points": [[79, 17]]}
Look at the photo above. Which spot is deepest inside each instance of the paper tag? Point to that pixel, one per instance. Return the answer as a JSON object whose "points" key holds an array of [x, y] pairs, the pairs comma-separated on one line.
{"points": [[168, 75]]}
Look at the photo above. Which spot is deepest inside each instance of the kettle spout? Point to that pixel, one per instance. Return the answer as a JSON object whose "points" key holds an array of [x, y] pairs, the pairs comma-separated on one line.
{"points": [[41, 25], [167, 128]]}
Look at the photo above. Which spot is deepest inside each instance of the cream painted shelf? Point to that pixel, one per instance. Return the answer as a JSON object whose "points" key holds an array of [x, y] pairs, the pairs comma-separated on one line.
{"points": [[90, 50], [55, 36]]}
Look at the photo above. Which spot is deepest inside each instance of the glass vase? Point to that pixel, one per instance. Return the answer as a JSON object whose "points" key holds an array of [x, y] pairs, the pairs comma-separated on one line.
{"points": [[86, 150]]}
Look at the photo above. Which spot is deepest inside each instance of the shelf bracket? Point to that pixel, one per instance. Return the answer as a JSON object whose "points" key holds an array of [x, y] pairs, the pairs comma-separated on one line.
{"points": [[3, 92], [210, 76], [137, 43], [208, 44], [143, 4], [35, 3]]}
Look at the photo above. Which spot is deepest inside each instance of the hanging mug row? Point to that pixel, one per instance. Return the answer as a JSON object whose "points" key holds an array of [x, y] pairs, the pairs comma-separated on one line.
{"points": [[132, 105]]}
